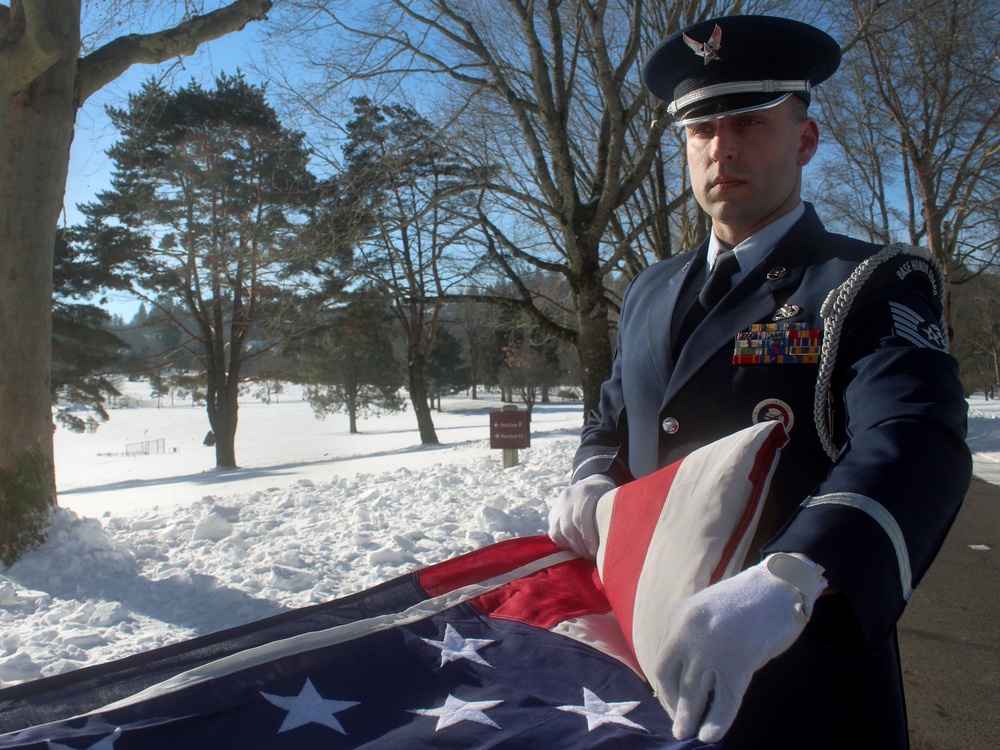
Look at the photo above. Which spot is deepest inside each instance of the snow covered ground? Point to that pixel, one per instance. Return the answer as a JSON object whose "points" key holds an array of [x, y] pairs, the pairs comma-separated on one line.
{"points": [[151, 549]]}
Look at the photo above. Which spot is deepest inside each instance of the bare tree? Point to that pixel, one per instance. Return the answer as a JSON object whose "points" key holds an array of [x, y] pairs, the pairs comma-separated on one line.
{"points": [[43, 82], [977, 339], [473, 320], [546, 90], [916, 112], [530, 364], [408, 189]]}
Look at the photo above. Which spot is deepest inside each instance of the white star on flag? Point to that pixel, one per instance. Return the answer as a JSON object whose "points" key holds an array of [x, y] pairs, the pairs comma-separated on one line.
{"points": [[455, 647], [599, 713], [309, 707], [108, 743], [456, 710]]}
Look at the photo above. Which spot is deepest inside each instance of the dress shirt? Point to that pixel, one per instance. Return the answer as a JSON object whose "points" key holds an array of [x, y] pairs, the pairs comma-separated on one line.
{"points": [[753, 249]]}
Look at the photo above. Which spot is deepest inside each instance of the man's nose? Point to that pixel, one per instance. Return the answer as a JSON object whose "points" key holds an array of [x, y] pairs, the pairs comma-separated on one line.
{"points": [[723, 145]]}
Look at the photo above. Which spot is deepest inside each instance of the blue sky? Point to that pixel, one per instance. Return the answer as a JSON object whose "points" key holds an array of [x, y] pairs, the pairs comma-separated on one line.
{"points": [[90, 168]]}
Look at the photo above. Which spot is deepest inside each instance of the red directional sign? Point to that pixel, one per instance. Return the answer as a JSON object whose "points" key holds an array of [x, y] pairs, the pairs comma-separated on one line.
{"points": [[509, 429]]}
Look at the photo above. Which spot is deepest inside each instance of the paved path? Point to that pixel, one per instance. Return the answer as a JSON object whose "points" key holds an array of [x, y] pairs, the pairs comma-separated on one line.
{"points": [[950, 635]]}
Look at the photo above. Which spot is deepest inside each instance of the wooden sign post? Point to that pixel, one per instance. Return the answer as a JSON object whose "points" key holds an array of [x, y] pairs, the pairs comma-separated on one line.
{"points": [[509, 430]]}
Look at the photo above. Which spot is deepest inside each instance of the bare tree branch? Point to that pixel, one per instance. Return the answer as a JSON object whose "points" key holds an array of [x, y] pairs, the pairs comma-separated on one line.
{"points": [[107, 63]]}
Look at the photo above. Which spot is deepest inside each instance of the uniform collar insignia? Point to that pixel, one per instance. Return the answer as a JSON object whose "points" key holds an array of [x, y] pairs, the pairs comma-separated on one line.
{"points": [[708, 49]]}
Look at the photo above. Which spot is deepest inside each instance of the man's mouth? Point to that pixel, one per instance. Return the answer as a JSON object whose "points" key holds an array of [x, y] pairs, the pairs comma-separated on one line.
{"points": [[726, 183]]}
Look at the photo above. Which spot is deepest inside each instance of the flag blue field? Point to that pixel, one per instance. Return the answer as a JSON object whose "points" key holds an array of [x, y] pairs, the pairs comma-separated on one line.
{"points": [[510, 646]]}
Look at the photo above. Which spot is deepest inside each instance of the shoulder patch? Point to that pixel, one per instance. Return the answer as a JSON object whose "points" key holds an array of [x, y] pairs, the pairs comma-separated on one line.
{"points": [[920, 266], [907, 324], [913, 327]]}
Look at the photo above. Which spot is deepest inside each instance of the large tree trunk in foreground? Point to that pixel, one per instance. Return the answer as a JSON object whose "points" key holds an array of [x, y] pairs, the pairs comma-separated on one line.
{"points": [[593, 340], [42, 83], [36, 129]]}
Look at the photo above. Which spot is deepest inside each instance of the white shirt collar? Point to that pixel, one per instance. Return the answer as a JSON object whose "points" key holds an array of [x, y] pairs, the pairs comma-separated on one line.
{"points": [[753, 249]]}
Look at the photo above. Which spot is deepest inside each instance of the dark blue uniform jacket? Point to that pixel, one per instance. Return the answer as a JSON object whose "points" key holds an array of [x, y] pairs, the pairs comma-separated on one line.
{"points": [[874, 517]]}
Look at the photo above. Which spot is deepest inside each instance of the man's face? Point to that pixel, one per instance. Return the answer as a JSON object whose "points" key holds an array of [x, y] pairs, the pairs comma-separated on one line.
{"points": [[746, 170]]}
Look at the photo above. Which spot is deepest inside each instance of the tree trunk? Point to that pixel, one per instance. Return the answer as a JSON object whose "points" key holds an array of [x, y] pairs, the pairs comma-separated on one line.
{"points": [[594, 341], [418, 397], [352, 409], [222, 405], [227, 413], [36, 130]]}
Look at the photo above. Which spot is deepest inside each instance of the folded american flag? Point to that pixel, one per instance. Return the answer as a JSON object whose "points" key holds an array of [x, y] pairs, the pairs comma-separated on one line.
{"points": [[512, 645]]}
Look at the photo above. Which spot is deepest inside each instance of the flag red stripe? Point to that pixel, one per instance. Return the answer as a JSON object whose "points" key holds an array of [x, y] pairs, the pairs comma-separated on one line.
{"points": [[548, 597], [633, 522], [482, 564]]}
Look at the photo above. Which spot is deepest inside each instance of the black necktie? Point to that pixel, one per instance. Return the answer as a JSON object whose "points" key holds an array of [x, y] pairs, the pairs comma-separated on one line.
{"points": [[719, 280], [715, 288]]}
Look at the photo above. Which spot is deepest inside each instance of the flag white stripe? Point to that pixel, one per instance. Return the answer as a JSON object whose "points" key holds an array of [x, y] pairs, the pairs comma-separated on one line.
{"points": [[696, 533]]}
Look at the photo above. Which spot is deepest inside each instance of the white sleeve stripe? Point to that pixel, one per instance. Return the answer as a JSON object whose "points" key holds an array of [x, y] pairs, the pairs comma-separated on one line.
{"points": [[606, 456], [884, 519]]}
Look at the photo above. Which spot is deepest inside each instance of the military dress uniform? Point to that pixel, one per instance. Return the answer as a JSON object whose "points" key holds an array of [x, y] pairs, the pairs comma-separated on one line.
{"points": [[869, 482], [844, 342]]}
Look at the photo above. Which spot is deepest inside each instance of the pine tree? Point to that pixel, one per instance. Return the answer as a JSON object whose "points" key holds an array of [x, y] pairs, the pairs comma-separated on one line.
{"points": [[351, 366], [208, 193], [405, 192], [84, 349], [447, 371]]}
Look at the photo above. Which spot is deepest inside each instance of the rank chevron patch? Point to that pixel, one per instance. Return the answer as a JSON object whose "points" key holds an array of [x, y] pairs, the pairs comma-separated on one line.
{"points": [[911, 326]]}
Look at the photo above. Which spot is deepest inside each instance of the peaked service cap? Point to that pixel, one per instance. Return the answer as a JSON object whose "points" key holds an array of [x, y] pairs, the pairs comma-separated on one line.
{"points": [[725, 66]]}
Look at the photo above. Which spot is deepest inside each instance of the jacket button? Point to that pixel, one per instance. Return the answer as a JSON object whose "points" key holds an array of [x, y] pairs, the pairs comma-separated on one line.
{"points": [[670, 425]]}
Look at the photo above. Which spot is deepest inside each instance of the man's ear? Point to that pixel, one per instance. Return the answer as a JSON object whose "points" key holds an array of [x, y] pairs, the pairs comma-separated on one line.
{"points": [[808, 141]]}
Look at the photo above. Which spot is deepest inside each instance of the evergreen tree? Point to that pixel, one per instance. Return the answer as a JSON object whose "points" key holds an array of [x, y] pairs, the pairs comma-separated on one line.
{"points": [[49, 71], [208, 192], [84, 349], [402, 188], [351, 366], [447, 371]]}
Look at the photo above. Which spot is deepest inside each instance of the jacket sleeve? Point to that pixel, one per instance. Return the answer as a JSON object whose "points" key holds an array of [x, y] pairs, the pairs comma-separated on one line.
{"points": [[604, 439], [902, 467]]}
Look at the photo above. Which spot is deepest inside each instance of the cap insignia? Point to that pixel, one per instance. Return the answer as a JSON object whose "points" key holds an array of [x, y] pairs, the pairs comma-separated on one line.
{"points": [[708, 49]]}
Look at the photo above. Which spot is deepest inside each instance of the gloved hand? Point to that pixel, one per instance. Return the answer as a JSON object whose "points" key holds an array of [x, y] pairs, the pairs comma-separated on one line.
{"points": [[717, 638], [572, 521]]}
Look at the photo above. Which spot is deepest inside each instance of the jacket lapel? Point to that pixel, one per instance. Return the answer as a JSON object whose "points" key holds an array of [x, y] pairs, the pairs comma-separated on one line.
{"points": [[756, 297], [661, 319]]}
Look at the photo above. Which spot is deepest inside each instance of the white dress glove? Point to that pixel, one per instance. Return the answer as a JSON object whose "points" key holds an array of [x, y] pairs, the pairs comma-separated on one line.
{"points": [[717, 638], [572, 519]]}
